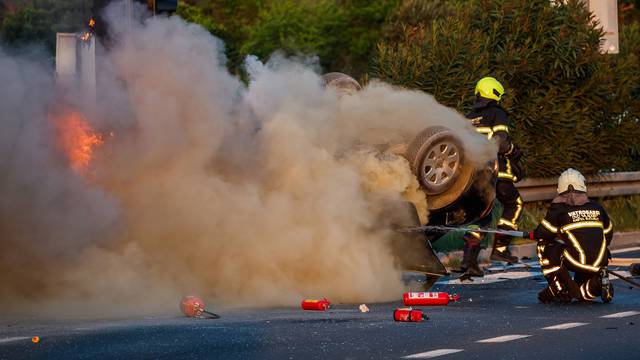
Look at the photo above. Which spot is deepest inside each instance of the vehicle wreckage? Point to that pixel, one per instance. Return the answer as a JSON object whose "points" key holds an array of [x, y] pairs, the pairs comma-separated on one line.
{"points": [[458, 193]]}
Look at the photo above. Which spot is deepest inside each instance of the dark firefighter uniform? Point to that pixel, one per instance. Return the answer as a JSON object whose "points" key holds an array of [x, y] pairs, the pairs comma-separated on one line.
{"points": [[492, 121], [574, 236]]}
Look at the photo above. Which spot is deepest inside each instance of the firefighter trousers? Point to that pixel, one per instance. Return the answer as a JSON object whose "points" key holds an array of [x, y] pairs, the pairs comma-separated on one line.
{"points": [[585, 285], [512, 204]]}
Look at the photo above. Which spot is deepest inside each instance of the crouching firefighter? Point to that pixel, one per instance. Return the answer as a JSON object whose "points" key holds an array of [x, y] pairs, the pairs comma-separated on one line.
{"points": [[491, 120], [574, 236]]}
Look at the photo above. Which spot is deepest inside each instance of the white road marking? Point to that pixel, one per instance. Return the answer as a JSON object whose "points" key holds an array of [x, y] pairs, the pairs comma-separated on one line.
{"points": [[564, 326], [493, 278], [12, 339], [514, 275], [528, 264], [432, 354], [620, 251], [621, 314], [501, 339], [509, 275]]}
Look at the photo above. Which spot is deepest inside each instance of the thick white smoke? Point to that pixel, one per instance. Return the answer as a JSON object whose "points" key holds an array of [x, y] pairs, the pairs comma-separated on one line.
{"points": [[246, 195]]}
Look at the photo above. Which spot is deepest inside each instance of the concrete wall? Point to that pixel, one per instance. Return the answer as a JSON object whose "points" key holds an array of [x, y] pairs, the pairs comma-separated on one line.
{"points": [[66, 57], [606, 12]]}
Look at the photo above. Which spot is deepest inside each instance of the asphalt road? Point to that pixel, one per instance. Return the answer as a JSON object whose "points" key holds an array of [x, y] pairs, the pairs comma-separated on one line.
{"points": [[497, 318]]}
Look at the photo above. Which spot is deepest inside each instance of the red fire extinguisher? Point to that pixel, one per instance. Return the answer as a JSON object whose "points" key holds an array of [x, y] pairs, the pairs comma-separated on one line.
{"points": [[428, 298], [408, 315], [319, 305]]}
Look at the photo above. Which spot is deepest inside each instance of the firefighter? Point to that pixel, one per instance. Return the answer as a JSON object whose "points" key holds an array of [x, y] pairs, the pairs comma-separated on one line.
{"points": [[491, 120], [574, 236]]}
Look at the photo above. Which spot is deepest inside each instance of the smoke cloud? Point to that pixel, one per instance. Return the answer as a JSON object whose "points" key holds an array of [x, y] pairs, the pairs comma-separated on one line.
{"points": [[247, 195]]}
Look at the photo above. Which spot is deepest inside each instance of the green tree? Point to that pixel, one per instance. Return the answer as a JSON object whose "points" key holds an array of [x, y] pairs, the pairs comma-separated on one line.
{"points": [[291, 28], [629, 11], [229, 20], [342, 33], [38, 21], [570, 104]]}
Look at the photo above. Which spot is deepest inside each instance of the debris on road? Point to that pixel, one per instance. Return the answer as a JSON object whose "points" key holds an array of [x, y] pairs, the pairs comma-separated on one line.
{"points": [[317, 305], [429, 298], [465, 278], [634, 269], [193, 306], [408, 315], [363, 308]]}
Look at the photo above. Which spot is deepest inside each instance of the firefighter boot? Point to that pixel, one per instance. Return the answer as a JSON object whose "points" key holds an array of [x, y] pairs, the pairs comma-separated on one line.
{"points": [[547, 296], [564, 297], [607, 288], [501, 251], [470, 261], [464, 264], [567, 284]]}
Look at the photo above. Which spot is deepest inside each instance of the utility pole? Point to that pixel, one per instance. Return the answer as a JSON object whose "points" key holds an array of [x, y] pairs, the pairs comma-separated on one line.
{"points": [[162, 6], [128, 13]]}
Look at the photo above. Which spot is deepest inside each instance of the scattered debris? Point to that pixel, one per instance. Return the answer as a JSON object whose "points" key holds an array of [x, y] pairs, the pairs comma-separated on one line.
{"points": [[363, 308], [408, 315], [466, 277], [318, 305], [634, 269]]}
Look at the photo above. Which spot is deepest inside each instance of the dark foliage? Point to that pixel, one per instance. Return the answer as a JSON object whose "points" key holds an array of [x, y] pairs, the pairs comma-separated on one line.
{"points": [[570, 105]]}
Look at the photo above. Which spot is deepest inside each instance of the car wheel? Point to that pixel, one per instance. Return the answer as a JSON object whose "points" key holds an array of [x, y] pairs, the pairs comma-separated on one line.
{"points": [[437, 159]]}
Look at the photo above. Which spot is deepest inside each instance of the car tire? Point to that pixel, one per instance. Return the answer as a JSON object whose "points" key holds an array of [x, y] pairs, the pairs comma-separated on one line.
{"points": [[437, 158]]}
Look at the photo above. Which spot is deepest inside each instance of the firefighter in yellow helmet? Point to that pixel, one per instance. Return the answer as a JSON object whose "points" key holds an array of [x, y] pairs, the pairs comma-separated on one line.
{"points": [[574, 236], [492, 121]]}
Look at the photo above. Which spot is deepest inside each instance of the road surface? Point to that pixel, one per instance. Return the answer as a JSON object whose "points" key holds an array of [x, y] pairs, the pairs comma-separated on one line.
{"points": [[497, 318]]}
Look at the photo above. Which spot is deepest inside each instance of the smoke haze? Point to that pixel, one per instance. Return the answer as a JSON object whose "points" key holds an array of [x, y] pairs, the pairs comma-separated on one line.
{"points": [[247, 195]]}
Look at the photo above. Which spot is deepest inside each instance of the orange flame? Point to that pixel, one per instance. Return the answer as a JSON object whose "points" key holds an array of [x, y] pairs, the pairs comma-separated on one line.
{"points": [[88, 33], [86, 36], [78, 140]]}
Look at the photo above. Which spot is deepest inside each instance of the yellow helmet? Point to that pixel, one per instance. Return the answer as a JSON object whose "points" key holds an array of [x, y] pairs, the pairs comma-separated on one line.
{"points": [[489, 88]]}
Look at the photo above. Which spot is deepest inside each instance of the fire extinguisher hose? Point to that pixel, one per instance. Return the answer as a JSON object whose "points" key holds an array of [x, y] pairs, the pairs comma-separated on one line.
{"points": [[210, 315], [624, 278]]}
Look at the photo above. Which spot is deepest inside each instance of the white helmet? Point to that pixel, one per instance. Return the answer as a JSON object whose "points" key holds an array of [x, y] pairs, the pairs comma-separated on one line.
{"points": [[573, 178]]}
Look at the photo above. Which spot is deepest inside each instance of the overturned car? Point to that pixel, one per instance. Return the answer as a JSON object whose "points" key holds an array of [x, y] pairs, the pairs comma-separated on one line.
{"points": [[458, 192]]}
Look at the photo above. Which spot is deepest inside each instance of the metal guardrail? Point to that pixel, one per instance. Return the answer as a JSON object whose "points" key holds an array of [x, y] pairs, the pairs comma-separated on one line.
{"points": [[611, 184]]}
